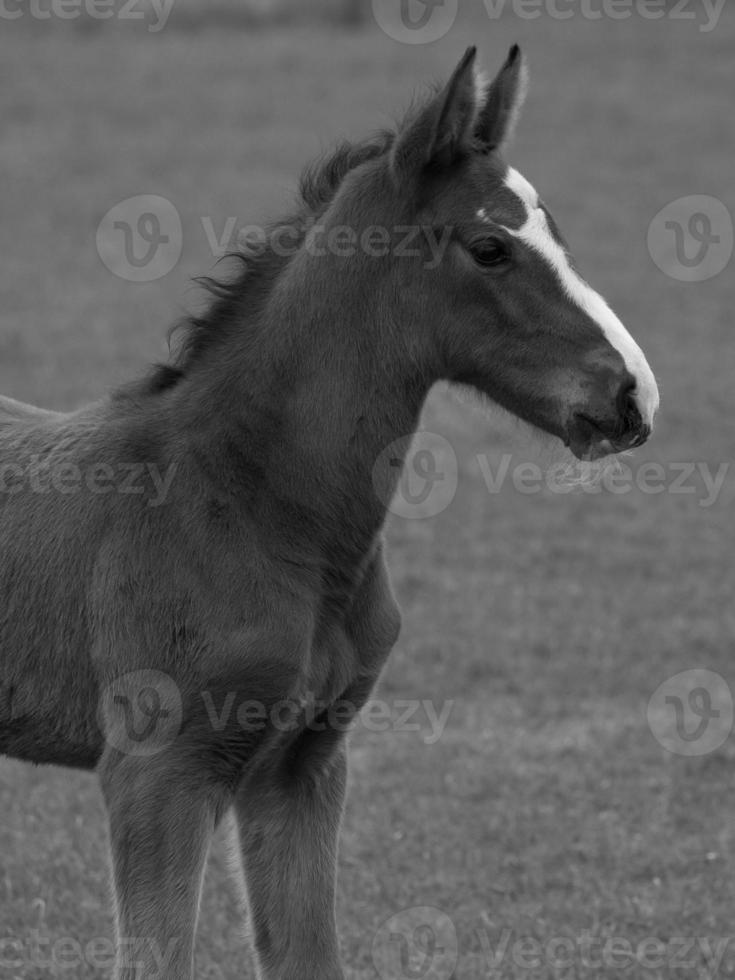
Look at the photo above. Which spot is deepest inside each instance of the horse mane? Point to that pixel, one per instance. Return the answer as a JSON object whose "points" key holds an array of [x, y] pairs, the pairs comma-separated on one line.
{"points": [[197, 334]]}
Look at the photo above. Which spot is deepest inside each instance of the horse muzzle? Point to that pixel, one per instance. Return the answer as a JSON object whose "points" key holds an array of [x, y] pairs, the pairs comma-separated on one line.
{"points": [[592, 434]]}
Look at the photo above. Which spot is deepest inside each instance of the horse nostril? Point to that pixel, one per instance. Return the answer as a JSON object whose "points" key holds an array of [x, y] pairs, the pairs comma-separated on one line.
{"points": [[628, 411], [633, 430], [626, 395]]}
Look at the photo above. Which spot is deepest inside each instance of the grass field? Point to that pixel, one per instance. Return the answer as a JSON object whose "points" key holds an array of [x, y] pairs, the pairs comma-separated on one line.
{"points": [[547, 807]]}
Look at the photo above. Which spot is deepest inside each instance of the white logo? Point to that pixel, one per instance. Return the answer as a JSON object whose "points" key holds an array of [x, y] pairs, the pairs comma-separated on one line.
{"points": [[417, 477], [140, 239], [141, 712], [418, 944], [691, 239], [691, 713], [415, 21]]}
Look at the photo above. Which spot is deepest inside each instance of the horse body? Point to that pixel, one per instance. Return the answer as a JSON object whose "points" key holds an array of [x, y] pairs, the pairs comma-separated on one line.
{"points": [[195, 596], [188, 582], [192, 588]]}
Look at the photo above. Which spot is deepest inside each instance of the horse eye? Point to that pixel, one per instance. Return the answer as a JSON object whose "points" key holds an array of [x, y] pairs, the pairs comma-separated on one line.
{"points": [[490, 252]]}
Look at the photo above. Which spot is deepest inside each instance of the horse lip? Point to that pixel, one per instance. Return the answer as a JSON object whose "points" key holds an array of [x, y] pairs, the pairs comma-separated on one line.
{"points": [[640, 437], [588, 441]]}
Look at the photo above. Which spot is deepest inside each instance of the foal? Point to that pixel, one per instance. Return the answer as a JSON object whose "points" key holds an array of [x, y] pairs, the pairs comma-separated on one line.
{"points": [[129, 623]]}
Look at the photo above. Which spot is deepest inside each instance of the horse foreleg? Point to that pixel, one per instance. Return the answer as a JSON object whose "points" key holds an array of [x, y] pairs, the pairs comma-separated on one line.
{"points": [[288, 823], [161, 816]]}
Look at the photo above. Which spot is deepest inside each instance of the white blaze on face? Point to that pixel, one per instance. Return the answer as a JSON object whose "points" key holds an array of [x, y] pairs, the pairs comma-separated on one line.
{"points": [[536, 234]]}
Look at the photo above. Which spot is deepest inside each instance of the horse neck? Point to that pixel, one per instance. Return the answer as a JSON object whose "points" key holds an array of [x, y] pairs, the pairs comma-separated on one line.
{"points": [[302, 403]]}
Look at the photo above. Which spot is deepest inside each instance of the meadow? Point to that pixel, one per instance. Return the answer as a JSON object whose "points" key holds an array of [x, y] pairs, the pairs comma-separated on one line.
{"points": [[547, 808]]}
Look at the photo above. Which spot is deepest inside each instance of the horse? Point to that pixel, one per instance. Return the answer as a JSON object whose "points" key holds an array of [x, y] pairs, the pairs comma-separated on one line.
{"points": [[252, 573]]}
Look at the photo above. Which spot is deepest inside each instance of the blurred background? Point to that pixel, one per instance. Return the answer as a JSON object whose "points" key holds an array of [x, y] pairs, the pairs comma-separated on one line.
{"points": [[565, 797]]}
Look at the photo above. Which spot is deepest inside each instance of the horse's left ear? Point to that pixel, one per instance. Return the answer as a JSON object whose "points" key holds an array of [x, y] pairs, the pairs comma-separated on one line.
{"points": [[505, 97], [444, 130]]}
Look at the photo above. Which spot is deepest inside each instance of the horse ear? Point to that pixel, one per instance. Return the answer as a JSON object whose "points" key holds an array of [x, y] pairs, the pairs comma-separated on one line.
{"points": [[505, 97], [444, 130]]}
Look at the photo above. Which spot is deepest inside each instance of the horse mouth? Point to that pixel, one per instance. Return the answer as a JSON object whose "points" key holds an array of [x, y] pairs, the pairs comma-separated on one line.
{"points": [[590, 440]]}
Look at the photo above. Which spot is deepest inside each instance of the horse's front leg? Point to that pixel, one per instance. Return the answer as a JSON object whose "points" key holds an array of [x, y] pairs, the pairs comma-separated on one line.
{"points": [[288, 821], [162, 812], [288, 813]]}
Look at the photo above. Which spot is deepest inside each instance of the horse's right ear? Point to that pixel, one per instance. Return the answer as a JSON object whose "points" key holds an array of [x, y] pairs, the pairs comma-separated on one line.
{"points": [[444, 130], [503, 103]]}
